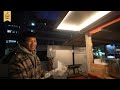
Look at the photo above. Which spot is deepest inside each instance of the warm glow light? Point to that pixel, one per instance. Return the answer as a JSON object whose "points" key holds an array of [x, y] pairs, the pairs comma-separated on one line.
{"points": [[87, 22], [68, 27], [92, 19]]}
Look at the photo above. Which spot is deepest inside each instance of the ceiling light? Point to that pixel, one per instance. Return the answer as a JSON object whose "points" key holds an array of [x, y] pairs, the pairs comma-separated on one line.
{"points": [[77, 27]]}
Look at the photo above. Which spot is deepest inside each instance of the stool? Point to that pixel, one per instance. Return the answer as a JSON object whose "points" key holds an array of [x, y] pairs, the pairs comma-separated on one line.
{"points": [[74, 67]]}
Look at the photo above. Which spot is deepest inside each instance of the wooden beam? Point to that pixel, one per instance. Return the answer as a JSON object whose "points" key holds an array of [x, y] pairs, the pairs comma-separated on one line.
{"points": [[103, 26]]}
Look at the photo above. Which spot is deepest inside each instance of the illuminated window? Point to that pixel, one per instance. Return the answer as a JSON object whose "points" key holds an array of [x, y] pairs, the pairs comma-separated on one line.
{"points": [[9, 31], [10, 41], [44, 23], [32, 24], [32, 30]]}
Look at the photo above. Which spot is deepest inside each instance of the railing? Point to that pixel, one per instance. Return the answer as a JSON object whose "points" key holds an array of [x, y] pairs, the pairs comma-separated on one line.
{"points": [[114, 67]]}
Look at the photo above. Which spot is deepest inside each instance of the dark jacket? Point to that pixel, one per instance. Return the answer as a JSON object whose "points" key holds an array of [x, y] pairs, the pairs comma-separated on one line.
{"points": [[25, 65]]}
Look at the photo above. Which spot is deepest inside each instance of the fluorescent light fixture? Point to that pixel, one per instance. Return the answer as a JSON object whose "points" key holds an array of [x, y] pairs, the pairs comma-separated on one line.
{"points": [[67, 26]]}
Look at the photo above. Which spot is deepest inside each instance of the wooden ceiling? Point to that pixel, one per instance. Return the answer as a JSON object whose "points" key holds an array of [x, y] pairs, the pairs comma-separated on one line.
{"points": [[109, 34]]}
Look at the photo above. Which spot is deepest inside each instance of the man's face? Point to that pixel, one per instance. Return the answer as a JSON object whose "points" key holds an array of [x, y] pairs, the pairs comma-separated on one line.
{"points": [[30, 43]]}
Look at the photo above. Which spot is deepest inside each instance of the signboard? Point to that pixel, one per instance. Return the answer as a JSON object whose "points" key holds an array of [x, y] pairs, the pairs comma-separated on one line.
{"points": [[7, 16]]}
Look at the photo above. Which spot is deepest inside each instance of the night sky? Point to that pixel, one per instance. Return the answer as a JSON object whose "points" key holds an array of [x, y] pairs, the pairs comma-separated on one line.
{"points": [[50, 15]]}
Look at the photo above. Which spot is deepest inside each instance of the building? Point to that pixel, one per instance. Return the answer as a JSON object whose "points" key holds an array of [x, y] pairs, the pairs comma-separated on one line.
{"points": [[11, 33]]}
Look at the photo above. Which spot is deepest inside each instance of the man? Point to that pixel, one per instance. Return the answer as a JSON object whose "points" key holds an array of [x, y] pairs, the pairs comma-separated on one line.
{"points": [[25, 64]]}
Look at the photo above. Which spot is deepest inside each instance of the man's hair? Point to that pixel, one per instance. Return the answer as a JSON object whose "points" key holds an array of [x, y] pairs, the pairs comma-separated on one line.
{"points": [[23, 35]]}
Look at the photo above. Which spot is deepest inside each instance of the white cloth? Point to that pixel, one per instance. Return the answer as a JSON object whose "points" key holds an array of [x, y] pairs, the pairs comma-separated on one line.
{"points": [[58, 73]]}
